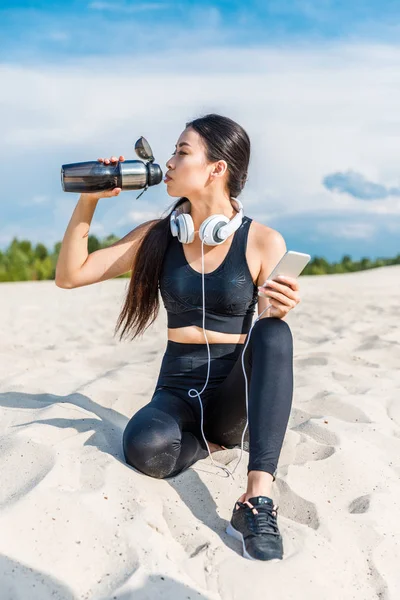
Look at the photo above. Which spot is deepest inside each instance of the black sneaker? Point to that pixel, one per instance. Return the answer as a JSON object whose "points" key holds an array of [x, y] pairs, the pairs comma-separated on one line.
{"points": [[257, 529]]}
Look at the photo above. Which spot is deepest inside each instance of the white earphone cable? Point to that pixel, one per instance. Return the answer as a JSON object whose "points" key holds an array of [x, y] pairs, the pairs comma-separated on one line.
{"points": [[208, 372]]}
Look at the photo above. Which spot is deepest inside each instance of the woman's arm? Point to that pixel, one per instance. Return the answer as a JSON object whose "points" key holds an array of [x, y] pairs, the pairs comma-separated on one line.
{"points": [[272, 247], [74, 247], [76, 267]]}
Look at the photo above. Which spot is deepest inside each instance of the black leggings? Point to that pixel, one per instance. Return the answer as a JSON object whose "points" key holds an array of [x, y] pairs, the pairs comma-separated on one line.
{"points": [[164, 437]]}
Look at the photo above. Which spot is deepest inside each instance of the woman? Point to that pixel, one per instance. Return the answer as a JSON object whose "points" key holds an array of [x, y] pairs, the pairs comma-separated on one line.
{"points": [[207, 172]]}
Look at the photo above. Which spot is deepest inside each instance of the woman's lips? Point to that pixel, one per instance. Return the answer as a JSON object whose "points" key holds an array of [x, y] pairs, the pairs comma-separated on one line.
{"points": [[167, 179]]}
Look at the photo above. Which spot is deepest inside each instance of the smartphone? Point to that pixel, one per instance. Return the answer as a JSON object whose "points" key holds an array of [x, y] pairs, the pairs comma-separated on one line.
{"points": [[291, 264]]}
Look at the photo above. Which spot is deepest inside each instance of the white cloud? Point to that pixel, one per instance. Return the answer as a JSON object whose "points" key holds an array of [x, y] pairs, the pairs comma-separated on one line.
{"points": [[309, 111], [139, 216], [361, 231], [35, 200]]}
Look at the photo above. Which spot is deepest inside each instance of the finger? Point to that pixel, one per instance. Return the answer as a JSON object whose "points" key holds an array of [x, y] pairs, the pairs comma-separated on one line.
{"points": [[279, 287], [282, 284], [106, 161], [101, 159], [291, 281], [279, 297], [113, 192], [278, 306], [122, 158], [113, 159]]}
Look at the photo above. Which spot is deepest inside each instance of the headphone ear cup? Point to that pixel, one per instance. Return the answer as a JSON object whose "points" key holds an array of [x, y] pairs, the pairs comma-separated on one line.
{"points": [[172, 224], [209, 228], [185, 228]]}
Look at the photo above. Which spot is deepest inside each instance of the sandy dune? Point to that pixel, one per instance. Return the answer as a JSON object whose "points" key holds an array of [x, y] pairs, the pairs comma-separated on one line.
{"points": [[77, 522]]}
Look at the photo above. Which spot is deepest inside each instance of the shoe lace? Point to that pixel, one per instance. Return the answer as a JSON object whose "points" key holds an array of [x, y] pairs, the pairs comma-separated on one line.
{"points": [[264, 521]]}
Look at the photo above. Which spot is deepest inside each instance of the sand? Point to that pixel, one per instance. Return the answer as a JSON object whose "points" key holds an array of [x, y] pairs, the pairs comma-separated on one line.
{"points": [[77, 522]]}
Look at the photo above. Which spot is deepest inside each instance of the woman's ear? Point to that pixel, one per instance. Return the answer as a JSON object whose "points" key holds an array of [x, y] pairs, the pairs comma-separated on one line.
{"points": [[220, 168]]}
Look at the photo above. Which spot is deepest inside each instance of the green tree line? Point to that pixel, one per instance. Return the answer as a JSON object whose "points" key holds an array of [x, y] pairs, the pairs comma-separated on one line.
{"points": [[22, 261]]}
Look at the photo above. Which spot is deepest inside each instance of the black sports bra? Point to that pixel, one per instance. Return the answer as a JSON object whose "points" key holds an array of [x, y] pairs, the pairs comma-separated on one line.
{"points": [[230, 293]]}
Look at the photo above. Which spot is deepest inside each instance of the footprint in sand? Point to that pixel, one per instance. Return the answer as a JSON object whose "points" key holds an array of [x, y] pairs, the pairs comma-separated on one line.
{"points": [[32, 461], [375, 342], [331, 404], [318, 433], [393, 411], [298, 416], [360, 505], [343, 376], [294, 507], [308, 450], [311, 361]]}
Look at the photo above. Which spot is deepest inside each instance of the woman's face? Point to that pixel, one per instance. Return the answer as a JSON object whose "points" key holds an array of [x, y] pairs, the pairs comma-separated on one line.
{"points": [[188, 166]]}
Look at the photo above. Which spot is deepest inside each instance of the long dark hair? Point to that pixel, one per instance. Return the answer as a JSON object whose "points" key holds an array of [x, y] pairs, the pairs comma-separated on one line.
{"points": [[224, 139]]}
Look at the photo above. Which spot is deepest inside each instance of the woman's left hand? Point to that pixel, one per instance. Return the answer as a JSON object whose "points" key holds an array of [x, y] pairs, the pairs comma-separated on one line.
{"points": [[283, 296]]}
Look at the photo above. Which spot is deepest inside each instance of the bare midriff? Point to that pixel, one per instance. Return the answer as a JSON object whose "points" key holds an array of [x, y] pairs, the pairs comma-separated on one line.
{"points": [[195, 335]]}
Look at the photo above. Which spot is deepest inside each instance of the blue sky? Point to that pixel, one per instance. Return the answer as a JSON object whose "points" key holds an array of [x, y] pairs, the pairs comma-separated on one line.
{"points": [[65, 30], [315, 84]]}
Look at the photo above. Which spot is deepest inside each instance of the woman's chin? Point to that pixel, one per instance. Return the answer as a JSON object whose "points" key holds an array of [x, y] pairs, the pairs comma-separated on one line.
{"points": [[173, 194]]}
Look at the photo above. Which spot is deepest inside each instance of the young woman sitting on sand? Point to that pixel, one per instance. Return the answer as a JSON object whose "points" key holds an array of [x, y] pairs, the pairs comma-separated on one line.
{"points": [[207, 172]]}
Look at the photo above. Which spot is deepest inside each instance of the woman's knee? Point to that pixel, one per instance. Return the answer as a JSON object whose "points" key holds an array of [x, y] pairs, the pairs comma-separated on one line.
{"points": [[274, 334], [149, 443]]}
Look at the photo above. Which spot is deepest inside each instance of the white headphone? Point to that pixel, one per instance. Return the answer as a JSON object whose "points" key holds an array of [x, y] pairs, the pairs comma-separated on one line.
{"points": [[213, 231]]}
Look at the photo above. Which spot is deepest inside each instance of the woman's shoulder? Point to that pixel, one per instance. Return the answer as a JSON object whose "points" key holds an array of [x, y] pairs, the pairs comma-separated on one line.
{"points": [[261, 235]]}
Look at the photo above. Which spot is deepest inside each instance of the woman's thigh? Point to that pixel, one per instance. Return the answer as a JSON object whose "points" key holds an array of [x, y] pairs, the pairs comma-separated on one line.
{"points": [[267, 362], [225, 415]]}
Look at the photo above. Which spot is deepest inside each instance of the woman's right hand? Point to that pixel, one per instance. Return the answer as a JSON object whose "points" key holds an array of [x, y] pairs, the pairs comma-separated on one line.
{"points": [[106, 193]]}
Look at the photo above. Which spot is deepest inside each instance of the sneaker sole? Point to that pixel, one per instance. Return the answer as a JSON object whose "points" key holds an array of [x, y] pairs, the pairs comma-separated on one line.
{"points": [[238, 536]]}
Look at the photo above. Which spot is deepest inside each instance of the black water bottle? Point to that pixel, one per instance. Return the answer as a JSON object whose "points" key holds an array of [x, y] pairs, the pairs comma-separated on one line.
{"points": [[94, 176]]}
